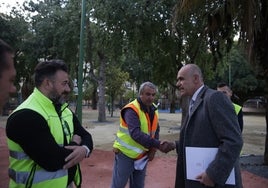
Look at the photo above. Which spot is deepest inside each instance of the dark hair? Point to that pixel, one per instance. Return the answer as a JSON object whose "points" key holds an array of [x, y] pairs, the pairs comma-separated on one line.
{"points": [[4, 49], [48, 69], [221, 84]]}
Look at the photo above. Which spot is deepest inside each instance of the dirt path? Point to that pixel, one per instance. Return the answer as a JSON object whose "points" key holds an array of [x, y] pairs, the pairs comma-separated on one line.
{"points": [[97, 169]]}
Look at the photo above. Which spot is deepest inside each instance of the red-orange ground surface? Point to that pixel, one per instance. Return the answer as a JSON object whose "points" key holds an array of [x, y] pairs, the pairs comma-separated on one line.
{"points": [[97, 170]]}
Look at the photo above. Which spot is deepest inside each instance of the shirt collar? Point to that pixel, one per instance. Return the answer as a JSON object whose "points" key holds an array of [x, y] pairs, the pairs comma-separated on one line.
{"points": [[197, 92], [152, 108]]}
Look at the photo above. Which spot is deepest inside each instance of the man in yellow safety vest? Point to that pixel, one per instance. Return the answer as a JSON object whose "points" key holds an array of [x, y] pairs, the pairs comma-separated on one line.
{"points": [[137, 139], [238, 109]]}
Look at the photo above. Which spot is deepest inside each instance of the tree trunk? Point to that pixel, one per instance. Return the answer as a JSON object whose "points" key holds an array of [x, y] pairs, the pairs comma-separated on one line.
{"points": [[94, 100], [27, 88], [112, 106], [101, 94], [173, 100], [260, 47], [265, 157]]}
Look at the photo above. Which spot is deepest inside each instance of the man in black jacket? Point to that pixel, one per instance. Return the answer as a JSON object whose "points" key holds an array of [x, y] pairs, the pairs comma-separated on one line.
{"points": [[47, 133], [211, 125]]}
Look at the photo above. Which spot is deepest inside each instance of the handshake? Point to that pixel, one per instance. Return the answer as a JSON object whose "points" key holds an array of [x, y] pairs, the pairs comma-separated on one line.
{"points": [[166, 146]]}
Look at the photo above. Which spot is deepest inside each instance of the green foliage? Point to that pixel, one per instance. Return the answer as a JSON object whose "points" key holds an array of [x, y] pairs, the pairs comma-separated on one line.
{"points": [[224, 19], [129, 95], [87, 92], [236, 71], [15, 31], [140, 33], [137, 35], [115, 81], [55, 29]]}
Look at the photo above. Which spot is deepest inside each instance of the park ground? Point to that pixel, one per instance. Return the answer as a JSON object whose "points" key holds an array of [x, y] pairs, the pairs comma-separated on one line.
{"points": [[97, 169]]}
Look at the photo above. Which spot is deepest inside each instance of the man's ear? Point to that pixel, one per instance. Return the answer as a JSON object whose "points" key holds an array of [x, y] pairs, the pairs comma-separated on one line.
{"points": [[47, 83], [196, 78]]}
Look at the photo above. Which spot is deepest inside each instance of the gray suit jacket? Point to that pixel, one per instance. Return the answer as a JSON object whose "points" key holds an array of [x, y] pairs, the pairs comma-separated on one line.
{"points": [[212, 123]]}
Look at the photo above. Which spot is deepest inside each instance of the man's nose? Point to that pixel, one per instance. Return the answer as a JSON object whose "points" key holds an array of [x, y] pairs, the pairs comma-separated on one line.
{"points": [[178, 83], [12, 89], [67, 88]]}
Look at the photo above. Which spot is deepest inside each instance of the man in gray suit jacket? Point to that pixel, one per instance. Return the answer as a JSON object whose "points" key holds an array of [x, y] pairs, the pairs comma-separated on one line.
{"points": [[211, 123]]}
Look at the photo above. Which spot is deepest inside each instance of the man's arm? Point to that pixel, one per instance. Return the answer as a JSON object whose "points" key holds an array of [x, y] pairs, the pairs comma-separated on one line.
{"points": [[146, 140], [83, 133], [30, 130], [135, 132], [224, 122], [84, 146]]}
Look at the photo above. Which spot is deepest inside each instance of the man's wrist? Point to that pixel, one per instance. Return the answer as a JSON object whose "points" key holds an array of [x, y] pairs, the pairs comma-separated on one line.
{"points": [[87, 151]]}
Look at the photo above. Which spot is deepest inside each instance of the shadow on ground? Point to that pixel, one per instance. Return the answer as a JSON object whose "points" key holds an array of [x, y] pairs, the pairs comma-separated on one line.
{"points": [[254, 164]]}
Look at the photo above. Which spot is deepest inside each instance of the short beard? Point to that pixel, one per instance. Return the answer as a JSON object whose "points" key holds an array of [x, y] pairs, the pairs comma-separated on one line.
{"points": [[59, 99], [56, 99]]}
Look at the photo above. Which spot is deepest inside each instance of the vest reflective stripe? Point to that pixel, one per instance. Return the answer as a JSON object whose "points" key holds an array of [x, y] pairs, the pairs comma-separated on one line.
{"points": [[42, 175], [18, 155], [136, 149], [124, 130], [21, 165], [123, 140], [237, 108], [39, 176]]}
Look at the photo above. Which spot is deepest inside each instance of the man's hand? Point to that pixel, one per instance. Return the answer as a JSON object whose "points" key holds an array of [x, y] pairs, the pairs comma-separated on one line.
{"points": [[77, 139], [205, 180], [166, 146], [151, 154], [78, 154]]}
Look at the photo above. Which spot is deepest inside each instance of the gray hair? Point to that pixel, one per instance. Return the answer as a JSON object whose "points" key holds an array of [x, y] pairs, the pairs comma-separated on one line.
{"points": [[195, 69], [148, 84]]}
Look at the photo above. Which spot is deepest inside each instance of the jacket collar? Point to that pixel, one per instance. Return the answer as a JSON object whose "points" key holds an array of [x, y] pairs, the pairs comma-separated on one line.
{"points": [[199, 98], [41, 97], [47, 102]]}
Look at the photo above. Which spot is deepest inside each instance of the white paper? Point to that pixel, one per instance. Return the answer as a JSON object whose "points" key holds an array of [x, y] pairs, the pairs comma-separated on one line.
{"points": [[197, 161], [141, 163]]}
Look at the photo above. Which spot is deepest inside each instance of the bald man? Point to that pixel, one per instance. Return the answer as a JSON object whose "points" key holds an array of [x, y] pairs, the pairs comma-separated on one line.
{"points": [[210, 123]]}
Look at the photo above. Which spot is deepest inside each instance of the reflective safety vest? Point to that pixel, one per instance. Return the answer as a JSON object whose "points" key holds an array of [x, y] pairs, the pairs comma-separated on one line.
{"points": [[123, 140], [237, 108], [23, 171]]}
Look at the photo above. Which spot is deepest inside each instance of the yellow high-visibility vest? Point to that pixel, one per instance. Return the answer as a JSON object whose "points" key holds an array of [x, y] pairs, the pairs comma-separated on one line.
{"points": [[237, 108], [123, 140], [23, 171]]}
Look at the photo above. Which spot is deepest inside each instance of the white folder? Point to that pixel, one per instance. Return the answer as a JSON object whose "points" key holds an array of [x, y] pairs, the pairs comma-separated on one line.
{"points": [[141, 163], [197, 161]]}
